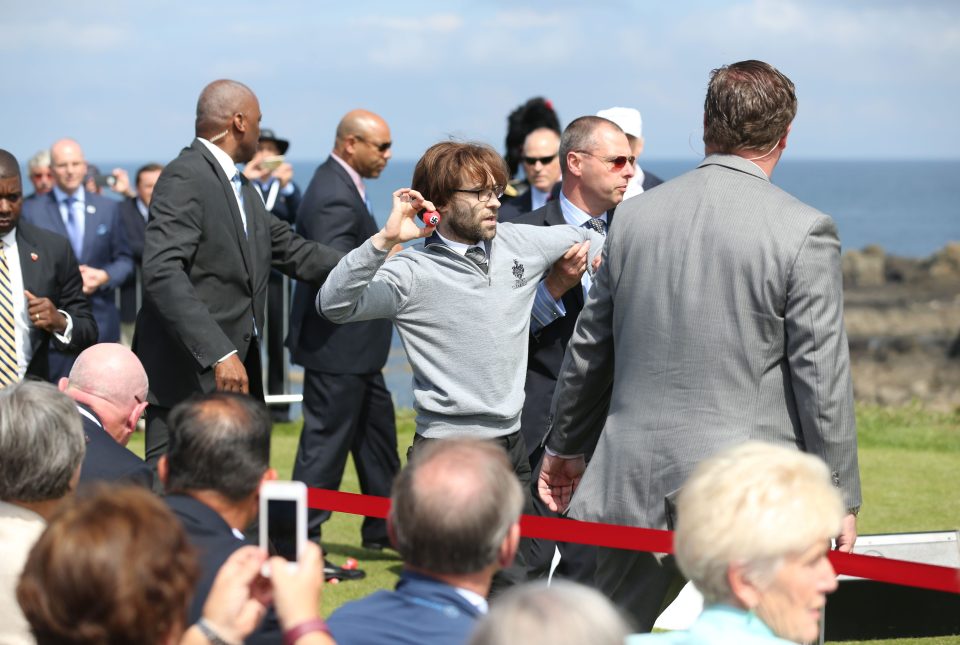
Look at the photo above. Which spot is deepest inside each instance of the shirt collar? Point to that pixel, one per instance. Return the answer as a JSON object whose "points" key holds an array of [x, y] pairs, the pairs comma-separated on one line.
{"points": [[573, 215], [229, 168], [79, 194], [10, 239], [459, 247], [143, 208], [474, 599], [354, 175]]}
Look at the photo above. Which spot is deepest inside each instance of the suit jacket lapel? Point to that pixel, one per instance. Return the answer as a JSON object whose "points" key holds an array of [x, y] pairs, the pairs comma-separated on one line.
{"points": [[231, 200], [52, 213], [30, 272], [348, 181]]}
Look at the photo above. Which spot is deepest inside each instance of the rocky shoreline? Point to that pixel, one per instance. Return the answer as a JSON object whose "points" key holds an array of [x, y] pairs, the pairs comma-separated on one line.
{"points": [[903, 323]]}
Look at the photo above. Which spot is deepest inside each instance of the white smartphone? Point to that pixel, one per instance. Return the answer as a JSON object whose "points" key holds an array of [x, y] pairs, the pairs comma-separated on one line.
{"points": [[283, 519]]}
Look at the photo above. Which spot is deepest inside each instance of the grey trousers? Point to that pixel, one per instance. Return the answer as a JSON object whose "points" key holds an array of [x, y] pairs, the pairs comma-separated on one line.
{"points": [[640, 584]]}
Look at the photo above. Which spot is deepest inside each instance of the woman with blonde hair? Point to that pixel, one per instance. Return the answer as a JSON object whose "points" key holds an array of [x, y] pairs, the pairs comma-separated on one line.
{"points": [[753, 532]]}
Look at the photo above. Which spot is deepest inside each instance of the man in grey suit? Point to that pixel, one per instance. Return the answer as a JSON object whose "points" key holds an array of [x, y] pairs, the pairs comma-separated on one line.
{"points": [[716, 317]]}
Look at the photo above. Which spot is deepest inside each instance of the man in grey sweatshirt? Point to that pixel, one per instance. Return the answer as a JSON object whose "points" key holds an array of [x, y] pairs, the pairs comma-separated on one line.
{"points": [[462, 301]]}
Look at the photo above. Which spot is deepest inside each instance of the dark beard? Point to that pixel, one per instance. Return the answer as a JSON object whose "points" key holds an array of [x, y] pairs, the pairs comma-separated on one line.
{"points": [[464, 222]]}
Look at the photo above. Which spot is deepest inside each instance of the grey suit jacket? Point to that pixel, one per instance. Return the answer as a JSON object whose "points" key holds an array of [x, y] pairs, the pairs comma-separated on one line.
{"points": [[717, 315]]}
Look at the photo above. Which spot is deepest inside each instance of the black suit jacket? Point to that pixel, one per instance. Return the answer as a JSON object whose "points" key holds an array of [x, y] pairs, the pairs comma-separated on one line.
{"points": [[214, 541], [513, 209], [108, 461], [50, 270], [333, 213], [134, 225], [546, 349], [204, 278]]}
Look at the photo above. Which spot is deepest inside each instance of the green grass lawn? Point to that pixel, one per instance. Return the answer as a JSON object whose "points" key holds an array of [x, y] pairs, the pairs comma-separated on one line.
{"points": [[909, 464]]}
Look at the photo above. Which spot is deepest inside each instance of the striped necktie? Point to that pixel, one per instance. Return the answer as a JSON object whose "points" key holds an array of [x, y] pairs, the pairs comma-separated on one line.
{"points": [[9, 373], [479, 257]]}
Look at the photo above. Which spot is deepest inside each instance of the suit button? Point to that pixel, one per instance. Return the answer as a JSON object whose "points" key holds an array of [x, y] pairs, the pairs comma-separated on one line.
{"points": [[246, 338]]}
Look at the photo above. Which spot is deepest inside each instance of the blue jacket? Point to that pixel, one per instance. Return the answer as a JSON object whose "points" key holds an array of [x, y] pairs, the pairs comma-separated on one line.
{"points": [[717, 625], [422, 611]]}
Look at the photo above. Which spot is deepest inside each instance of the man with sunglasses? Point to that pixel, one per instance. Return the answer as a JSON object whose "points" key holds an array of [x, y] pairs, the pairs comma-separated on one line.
{"points": [[346, 405], [541, 165], [597, 167]]}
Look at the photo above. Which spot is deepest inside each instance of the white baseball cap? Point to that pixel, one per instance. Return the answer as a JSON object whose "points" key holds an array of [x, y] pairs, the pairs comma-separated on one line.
{"points": [[628, 119]]}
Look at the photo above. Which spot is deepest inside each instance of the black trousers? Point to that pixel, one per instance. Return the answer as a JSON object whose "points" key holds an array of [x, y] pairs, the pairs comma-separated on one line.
{"points": [[342, 414], [578, 562], [158, 434], [276, 360]]}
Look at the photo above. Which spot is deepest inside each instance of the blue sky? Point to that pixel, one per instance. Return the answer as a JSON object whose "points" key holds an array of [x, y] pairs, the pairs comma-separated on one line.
{"points": [[875, 79]]}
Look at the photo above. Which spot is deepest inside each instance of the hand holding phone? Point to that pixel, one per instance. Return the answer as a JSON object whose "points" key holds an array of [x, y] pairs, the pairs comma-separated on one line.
{"points": [[283, 520]]}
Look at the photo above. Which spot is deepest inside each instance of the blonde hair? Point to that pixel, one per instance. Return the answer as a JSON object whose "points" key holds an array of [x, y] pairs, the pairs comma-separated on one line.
{"points": [[752, 505]]}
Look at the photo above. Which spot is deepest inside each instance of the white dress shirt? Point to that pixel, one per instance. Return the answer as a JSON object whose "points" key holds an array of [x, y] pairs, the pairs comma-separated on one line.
{"points": [[21, 317], [229, 169]]}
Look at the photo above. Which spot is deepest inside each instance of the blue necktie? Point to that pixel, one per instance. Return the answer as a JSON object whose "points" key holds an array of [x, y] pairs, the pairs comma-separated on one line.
{"points": [[73, 226]]}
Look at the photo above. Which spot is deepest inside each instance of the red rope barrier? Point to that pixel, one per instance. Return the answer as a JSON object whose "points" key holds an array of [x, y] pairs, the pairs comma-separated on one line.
{"points": [[898, 572]]}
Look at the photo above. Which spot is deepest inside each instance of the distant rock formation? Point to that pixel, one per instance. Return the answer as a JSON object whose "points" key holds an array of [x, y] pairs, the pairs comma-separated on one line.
{"points": [[903, 322]]}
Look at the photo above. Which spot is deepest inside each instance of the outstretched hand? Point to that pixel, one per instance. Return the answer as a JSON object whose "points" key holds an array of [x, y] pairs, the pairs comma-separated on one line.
{"points": [[559, 478], [402, 224]]}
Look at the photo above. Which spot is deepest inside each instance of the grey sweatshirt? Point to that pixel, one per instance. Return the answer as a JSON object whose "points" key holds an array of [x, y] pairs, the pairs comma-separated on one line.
{"points": [[465, 332]]}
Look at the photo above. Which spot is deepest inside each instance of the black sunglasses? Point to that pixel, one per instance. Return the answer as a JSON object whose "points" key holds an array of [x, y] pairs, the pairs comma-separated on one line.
{"points": [[382, 147], [532, 161]]}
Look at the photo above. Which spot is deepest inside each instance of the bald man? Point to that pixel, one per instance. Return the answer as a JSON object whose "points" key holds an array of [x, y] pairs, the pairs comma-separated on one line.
{"points": [[109, 386], [97, 235], [346, 405], [208, 249]]}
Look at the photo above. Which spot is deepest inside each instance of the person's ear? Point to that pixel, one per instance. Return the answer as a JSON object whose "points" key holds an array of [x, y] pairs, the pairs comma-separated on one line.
{"points": [[392, 532], [163, 471], [63, 384], [135, 415], [509, 546], [742, 587]]}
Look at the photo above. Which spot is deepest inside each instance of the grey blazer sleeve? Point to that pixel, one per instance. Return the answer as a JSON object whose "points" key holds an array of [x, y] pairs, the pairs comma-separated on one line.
{"points": [[582, 396], [819, 358]]}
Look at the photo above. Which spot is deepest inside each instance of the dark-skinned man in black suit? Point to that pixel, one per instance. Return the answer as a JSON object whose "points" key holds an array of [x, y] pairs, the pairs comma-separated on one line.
{"points": [[208, 250], [41, 287], [346, 405]]}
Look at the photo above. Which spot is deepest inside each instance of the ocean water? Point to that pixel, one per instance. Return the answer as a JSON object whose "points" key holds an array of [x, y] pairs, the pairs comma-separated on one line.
{"points": [[910, 208]]}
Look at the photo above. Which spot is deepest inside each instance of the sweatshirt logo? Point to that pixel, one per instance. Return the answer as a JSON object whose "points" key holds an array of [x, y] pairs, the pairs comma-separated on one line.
{"points": [[518, 274]]}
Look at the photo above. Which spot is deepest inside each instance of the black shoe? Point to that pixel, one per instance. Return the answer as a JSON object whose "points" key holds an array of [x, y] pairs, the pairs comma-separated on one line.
{"points": [[377, 545], [331, 571]]}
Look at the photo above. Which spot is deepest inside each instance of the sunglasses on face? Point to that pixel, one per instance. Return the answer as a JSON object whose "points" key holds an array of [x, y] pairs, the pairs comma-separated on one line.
{"points": [[532, 161], [615, 163], [381, 147]]}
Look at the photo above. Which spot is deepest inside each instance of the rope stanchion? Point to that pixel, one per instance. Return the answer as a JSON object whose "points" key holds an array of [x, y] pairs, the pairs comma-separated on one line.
{"points": [[898, 572]]}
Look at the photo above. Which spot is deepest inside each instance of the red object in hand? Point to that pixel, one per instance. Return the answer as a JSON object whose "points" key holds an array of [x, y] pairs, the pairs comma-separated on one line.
{"points": [[430, 218]]}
